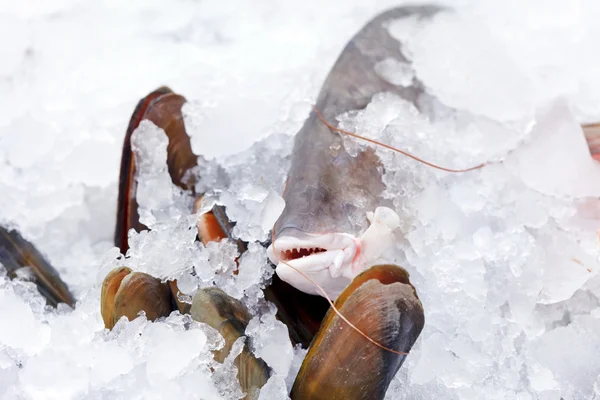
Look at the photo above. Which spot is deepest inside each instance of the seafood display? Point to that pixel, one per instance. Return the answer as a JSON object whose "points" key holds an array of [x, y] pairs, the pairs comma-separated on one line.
{"points": [[325, 185], [125, 293], [334, 303]]}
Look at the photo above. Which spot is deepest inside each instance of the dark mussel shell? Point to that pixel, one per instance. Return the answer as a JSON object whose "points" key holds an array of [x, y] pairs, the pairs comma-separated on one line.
{"points": [[163, 108], [110, 286], [341, 363], [230, 317], [126, 294], [17, 253]]}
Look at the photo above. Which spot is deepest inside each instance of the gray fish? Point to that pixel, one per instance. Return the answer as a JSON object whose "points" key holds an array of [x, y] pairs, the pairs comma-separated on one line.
{"points": [[328, 190]]}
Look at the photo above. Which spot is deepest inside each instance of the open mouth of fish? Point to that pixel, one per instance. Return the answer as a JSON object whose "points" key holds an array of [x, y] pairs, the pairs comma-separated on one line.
{"points": [[321, 257], [332, 259], [314, 252]]}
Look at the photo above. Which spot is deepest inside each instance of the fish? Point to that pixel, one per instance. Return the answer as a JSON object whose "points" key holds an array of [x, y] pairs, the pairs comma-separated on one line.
{"points": [[328, 189]]}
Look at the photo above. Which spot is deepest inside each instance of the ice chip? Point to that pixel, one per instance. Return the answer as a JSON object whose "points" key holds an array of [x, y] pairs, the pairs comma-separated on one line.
{"points": [[255, 211], [271, 342], [274, 389], [39, 381], [478, 74], [557, 161], [154, 189], [225, 375], [395, 72], [168, 352], [110, 361], [299, 354], [575, 372], [19, 327], [272, 210], [566, 269]]}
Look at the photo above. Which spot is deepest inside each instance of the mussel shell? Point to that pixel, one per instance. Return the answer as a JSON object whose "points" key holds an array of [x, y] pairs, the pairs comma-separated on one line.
{"points": [[110, 286], [341, 363], [17, 253], [138, 292], [163, 108], [183, 308], [230, 317], [300, 312], [214, 225]]}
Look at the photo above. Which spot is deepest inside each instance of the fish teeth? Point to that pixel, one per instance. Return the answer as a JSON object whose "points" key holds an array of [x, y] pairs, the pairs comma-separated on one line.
{"points": [[301, 252]]}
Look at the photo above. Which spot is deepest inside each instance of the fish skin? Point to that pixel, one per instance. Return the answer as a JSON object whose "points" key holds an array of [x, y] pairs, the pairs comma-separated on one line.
{"points": [[324, 179]]}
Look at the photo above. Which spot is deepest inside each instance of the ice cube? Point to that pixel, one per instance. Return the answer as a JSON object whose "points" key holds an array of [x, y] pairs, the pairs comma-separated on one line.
{"points": [[271, 342], [274, 389], [19, 327], [395, 72], [557, 161]]}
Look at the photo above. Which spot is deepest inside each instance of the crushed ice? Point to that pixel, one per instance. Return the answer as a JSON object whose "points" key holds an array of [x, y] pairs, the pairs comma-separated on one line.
{"points": [[505, 258]]}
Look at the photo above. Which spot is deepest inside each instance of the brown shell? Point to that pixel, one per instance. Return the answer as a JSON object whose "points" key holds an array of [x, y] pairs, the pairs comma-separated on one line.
{"points": [[110, 286], [213, 226], [230, 317], [163, 108], [183, 308], [138, 292], [16, 253], [341, 363]]}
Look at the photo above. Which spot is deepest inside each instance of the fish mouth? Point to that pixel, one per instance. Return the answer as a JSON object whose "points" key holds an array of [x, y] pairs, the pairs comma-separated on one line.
{"points": [[324, 258], [317, 263]]}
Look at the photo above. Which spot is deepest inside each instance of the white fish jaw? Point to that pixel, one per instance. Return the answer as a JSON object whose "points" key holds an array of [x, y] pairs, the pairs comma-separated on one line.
{"points": [[332, 260]]}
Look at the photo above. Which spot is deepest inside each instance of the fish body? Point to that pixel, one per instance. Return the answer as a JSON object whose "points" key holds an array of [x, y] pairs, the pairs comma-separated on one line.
{"points": [[324, 230]]}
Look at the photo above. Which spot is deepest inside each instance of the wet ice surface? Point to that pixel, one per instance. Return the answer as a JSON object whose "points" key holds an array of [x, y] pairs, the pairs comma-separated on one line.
{"points": [[504, 258]]}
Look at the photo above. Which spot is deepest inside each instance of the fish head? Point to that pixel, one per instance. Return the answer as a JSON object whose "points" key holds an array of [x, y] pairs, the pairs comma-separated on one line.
{"points": [[333, 225], [324, 264]]}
